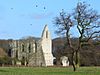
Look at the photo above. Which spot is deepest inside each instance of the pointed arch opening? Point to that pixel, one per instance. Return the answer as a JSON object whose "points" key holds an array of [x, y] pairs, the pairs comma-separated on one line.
{"points": [[46, 34], [29, 48], [22, 47]]}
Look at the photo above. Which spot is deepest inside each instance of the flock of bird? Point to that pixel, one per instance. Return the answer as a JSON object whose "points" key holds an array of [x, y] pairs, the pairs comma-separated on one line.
{"points": [[43, 7], [36, 7]]}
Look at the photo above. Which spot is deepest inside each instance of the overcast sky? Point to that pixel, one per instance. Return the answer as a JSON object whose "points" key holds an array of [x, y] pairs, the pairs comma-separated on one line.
{"points": [[21, 18]]}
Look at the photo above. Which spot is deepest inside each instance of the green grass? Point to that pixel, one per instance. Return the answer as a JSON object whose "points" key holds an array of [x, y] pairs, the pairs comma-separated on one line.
{"points": [[48, 71]]}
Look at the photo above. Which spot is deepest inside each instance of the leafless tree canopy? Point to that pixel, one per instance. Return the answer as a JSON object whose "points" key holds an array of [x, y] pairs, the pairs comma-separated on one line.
{"points": [[87, 22]]}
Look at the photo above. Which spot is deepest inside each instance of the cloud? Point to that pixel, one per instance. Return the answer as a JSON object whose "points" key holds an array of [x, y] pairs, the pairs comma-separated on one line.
{"points": [[4, 35], [41, 16], [2, 8], [1, 18], [22, 15], [37, 16]]}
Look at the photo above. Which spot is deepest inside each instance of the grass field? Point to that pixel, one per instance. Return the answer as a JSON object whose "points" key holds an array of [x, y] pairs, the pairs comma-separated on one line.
{"points": [[48, 71]]}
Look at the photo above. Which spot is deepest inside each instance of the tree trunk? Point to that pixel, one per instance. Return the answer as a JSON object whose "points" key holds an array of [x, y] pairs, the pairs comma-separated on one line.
{"points": [[77, 59], [73, 62]]}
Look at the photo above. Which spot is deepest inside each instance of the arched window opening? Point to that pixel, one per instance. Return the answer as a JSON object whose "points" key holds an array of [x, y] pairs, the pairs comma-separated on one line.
{"points": [[22, 48], [9, 53], [29, 48], [23, 61], [17, 54], [46, 34]]}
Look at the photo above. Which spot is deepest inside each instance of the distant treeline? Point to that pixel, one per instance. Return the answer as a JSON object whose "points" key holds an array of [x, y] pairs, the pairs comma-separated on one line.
{"points": [[89, 55]]}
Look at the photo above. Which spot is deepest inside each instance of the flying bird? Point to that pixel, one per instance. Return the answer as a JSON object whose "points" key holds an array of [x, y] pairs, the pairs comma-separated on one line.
{"points": [[36, 5], [44, 8], [12, 8], [31, 24]]}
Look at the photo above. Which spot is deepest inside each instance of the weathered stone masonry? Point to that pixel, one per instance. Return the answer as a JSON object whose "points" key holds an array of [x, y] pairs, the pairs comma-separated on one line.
{"points": [[32, 51]]}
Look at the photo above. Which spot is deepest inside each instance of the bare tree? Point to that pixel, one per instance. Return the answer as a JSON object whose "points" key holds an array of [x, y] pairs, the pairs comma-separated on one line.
{"points": [[87, 22]]}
